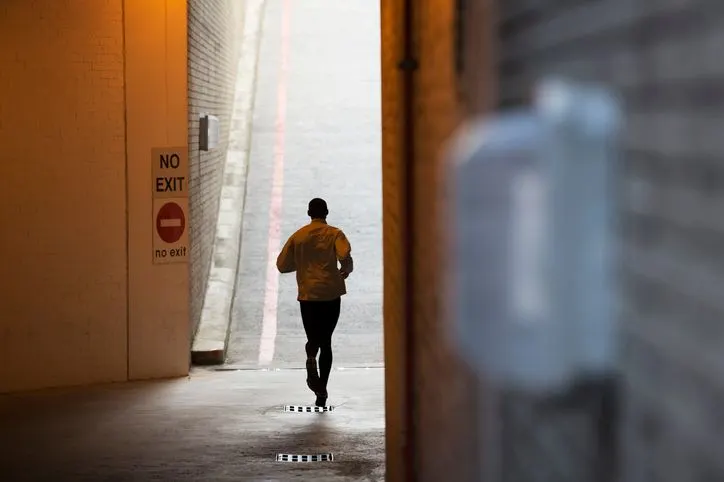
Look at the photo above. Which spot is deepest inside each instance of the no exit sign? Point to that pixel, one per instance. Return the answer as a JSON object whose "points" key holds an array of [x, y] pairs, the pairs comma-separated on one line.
{"points": [[169, 185]]}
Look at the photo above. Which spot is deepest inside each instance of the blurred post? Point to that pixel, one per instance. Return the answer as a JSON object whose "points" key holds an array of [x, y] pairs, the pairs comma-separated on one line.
{"points": [[532, 255]]}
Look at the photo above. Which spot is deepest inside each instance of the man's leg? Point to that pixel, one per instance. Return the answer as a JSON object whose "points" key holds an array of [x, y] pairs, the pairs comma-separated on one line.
{"points": [[310, 315], [329, 323]]}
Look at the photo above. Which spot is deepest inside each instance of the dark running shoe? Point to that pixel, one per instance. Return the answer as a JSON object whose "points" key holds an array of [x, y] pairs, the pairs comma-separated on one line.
{"points": [[313, 381], [321, 399]]}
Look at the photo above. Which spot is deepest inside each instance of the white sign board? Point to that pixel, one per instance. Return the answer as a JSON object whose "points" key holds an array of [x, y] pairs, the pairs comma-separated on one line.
{"points": [[170, 222]]}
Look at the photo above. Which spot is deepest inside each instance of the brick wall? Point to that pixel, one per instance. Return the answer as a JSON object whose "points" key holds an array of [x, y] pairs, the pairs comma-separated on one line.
{"points": [[214, 28], [664, 57]]}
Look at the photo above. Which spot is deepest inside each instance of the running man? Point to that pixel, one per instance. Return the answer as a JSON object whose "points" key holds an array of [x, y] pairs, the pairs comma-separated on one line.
{"points": [[313, 252]]}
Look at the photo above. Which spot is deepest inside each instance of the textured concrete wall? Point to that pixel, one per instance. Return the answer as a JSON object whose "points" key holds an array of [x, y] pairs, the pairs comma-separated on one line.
{"points": [[672, 76], [62, 185], [664, 57], [214, 39]]}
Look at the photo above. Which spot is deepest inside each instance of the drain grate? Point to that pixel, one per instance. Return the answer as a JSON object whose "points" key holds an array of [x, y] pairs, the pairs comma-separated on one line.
{"points": [[305, 458], [307, 409]]}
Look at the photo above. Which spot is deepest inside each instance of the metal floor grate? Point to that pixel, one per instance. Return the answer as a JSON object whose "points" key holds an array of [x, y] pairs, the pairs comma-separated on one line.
{"points": [[305, 458], [307, 409]]}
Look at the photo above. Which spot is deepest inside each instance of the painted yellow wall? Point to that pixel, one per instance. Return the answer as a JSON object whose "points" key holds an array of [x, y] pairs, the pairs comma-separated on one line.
{"points": [[62, 194], [157, 110], [80, 300]]}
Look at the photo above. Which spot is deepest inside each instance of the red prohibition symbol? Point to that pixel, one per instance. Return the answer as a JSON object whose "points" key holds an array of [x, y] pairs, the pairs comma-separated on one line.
{"points": [[170, 222]]}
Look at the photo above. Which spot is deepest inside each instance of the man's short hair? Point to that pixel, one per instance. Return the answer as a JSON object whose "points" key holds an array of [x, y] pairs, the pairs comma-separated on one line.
{"points": [[318, 208]]}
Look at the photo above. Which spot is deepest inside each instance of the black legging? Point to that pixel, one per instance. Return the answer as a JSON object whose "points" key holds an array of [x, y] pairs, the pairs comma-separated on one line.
{"points": [[320, 319]]}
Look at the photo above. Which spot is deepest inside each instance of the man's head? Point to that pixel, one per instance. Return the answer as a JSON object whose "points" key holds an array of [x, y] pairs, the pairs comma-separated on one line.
{"points": [[317, 209]]}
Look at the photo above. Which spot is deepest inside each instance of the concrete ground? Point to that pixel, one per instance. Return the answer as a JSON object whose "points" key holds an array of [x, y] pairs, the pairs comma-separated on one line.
{"points": [[317, 122], [213, 426]]}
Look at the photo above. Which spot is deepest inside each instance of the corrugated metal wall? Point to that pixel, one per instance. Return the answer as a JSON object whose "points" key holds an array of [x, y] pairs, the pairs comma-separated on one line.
{"points": [[666, 59]]}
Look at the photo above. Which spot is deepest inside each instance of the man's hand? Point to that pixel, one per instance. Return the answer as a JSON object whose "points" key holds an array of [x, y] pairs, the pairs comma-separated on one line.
{"points": [[346, 267]]}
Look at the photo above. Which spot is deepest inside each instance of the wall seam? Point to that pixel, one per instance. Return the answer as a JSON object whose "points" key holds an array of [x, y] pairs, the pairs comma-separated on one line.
{"points": [[127, 213], [408, 66], [165, 54]]}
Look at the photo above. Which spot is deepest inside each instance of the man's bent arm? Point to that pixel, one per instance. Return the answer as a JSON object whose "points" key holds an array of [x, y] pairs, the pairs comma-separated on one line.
{"points": [[347, 264], [344, 253], [285, 260]]}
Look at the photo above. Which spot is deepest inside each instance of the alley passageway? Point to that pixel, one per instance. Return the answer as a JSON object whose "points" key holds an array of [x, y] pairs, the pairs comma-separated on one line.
{"points": [[146, 333], [316, 132]]}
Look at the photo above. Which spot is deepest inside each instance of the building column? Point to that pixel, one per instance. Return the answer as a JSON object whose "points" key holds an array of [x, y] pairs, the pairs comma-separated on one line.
{"points": [[157, 131]]}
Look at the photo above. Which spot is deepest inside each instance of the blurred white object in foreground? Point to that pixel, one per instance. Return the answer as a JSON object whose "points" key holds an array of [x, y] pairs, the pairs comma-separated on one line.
{"points": [[532, 259]]}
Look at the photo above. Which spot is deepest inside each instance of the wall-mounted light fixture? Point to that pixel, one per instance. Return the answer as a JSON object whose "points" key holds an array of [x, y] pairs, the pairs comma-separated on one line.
{"points": [[208, 132]]}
